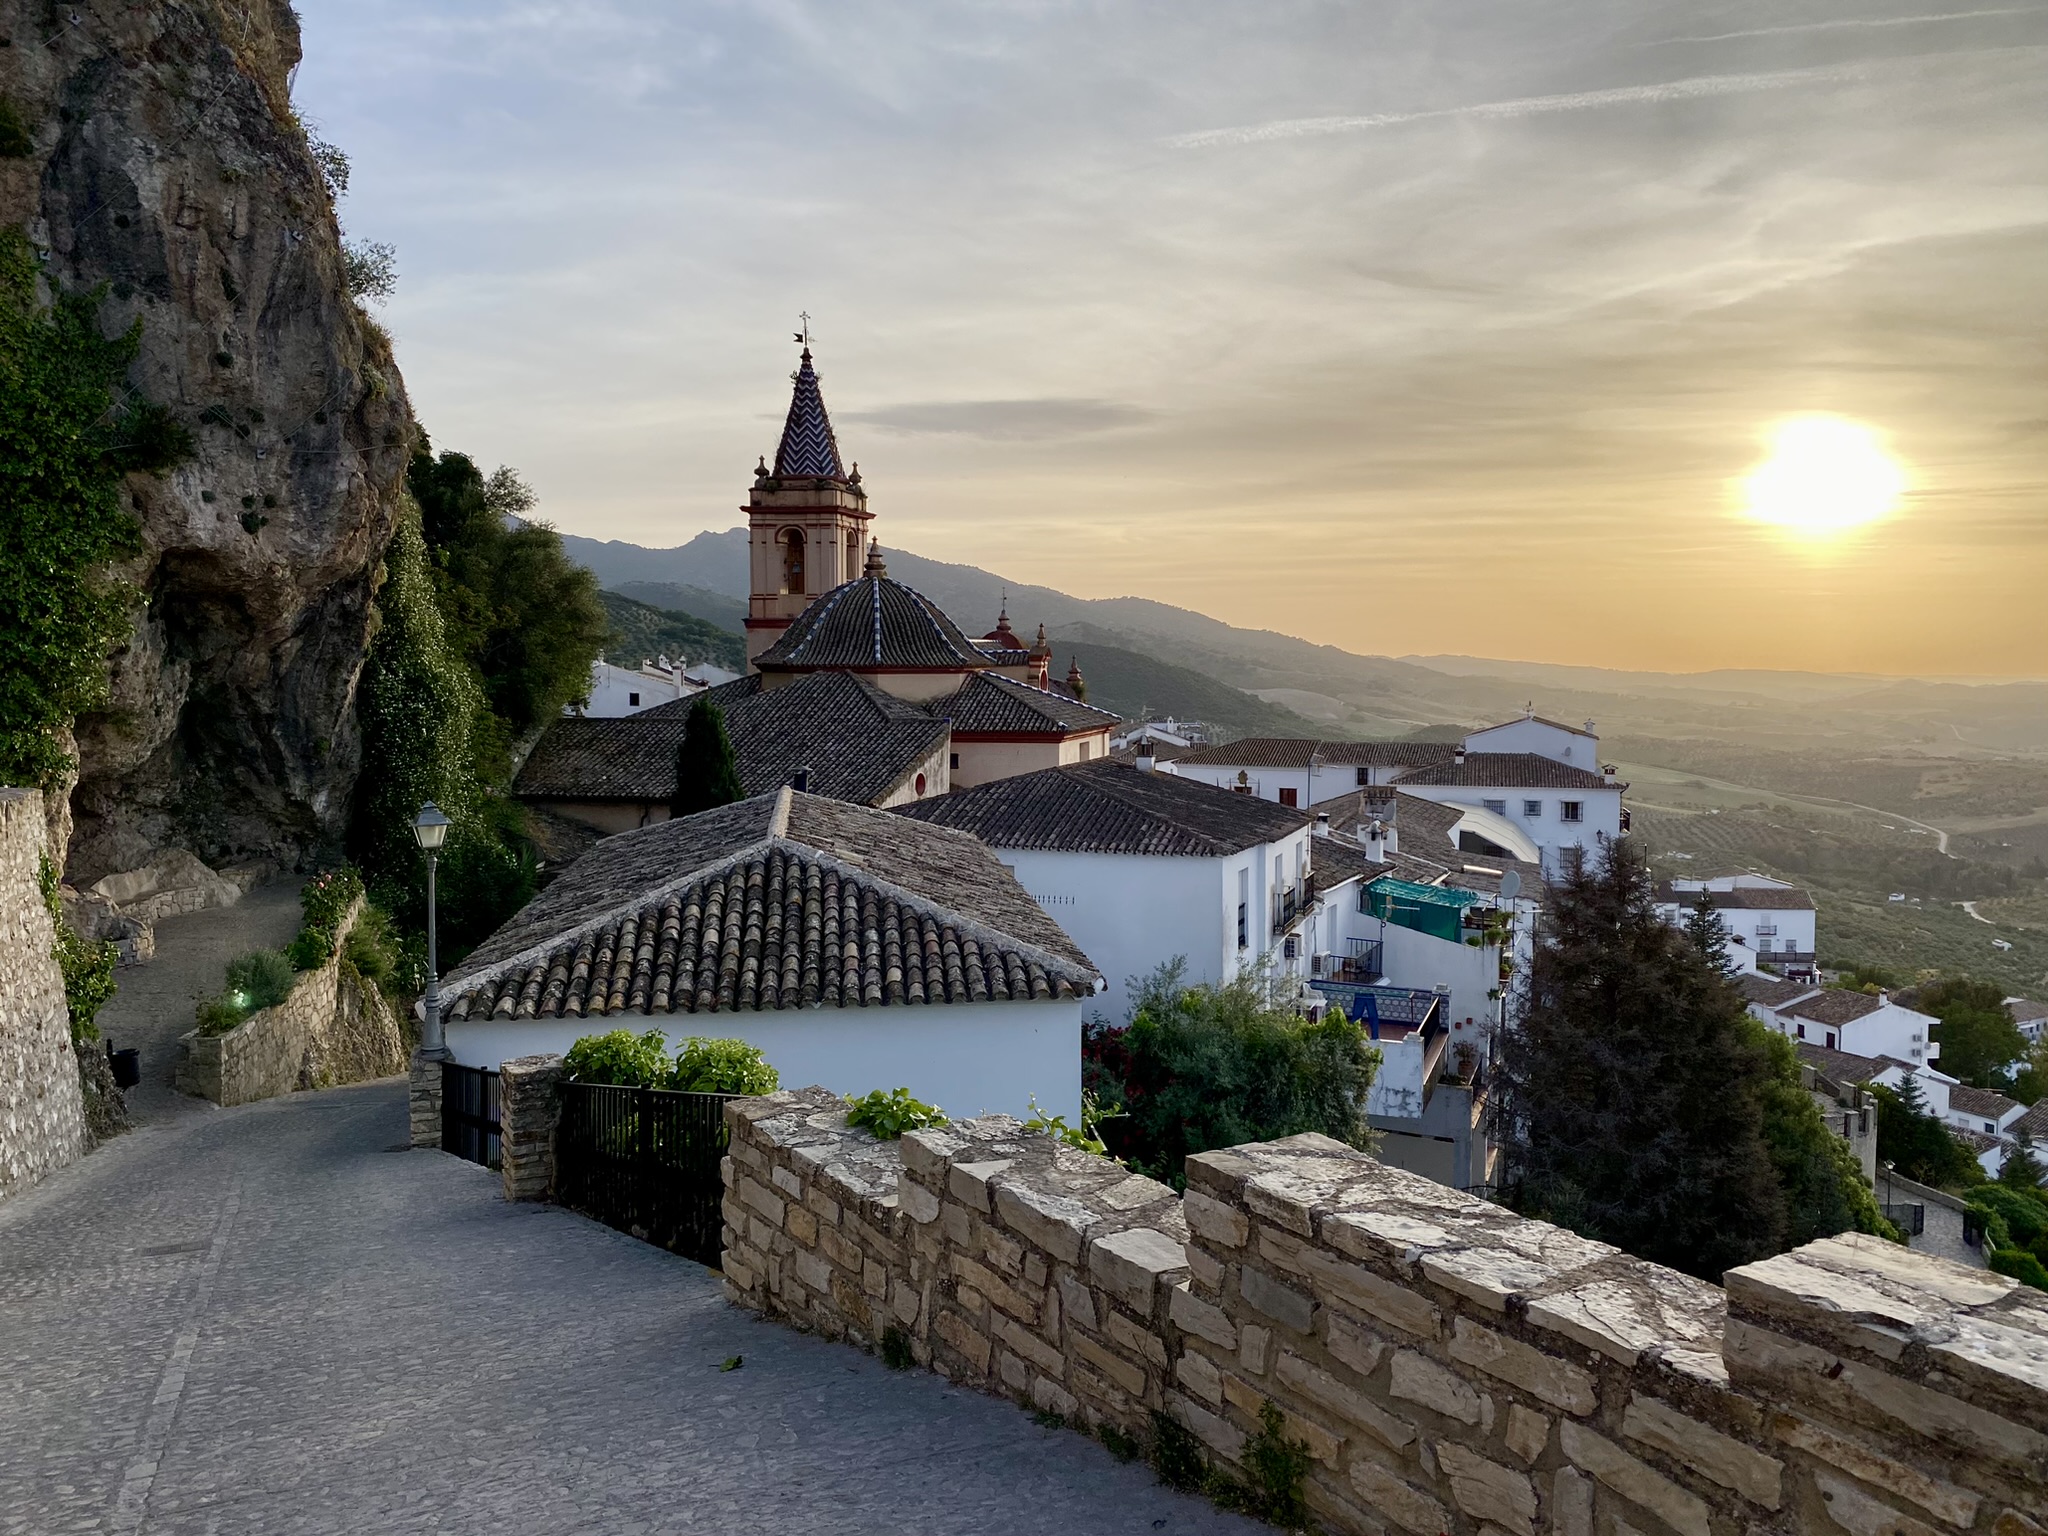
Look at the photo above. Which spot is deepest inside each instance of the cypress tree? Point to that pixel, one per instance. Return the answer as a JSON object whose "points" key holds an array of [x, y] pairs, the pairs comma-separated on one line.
{"points": [[707, 774], [1631, 1090], [1709, 934]]}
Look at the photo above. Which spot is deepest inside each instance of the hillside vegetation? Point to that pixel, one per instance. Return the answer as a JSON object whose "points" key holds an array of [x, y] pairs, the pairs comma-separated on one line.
{"points": [[640, 632]]}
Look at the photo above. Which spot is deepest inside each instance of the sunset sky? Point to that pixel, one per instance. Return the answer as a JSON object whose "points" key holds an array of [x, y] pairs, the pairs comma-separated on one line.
{"points": [[1410, 327]]}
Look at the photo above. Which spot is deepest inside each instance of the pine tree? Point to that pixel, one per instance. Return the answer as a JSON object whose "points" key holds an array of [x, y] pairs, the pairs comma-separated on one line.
{"points": [[2022, 1168], [707, 775], [1709, 934], [1631, 1089]]}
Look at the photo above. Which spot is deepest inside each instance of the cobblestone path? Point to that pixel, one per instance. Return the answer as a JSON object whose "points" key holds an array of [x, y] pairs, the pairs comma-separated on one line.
{"points": [[269, 1320]]}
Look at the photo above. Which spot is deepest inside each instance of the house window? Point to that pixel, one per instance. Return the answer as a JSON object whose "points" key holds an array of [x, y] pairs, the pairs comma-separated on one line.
{"points": [[1364, 774], [1085, 746], [1532, 809], [1831, 1039], [1990, 1128], [1498, 807], [1290, 797], [633, 699], [1802, 1031], [954, 762], [1571, 810], [920, 783], [852, 556], [1244, 897], [791, 542]]}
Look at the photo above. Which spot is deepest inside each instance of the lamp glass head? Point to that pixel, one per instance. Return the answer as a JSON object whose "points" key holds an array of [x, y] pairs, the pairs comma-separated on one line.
{"points": [[430, 827]]}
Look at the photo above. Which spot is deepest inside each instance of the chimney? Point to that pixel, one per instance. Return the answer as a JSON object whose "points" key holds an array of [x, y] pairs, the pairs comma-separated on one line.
{"points": [[1607, 772], [1147, 758], [1458, 755], [1376, 842], [1322, 823], [800, 781]]}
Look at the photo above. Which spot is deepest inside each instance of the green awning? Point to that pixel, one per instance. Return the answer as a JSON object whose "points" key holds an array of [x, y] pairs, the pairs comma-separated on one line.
{"points": [[1427, 909]]}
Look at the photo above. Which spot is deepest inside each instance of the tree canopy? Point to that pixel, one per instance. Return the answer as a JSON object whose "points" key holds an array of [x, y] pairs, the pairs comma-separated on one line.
{"points": [[1979, 1041], [1200, 1067], [1915, 1142], [707, 773], [1633, 1087]]}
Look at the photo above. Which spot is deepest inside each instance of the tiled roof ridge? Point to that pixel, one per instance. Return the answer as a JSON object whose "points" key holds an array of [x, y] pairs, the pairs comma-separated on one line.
{"points": [[831, 600], [1013, 684], [803, 852]]}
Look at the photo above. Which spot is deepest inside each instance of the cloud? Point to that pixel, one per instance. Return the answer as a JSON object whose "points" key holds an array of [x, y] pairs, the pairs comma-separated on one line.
{"points": [[1858, 23], [1004, 420], [1526, 106]]}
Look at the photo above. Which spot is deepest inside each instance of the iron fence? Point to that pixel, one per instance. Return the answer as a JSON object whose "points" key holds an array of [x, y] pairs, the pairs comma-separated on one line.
{"points": [[645, 1160], [469, 1113]]}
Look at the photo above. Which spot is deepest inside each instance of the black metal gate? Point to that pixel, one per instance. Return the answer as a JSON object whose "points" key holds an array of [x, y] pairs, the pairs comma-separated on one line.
{"points": [[645, 1160], [469, 1113]]}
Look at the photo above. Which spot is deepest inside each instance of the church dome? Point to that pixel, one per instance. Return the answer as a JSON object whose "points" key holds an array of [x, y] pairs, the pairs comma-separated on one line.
{"points": [[873, 622]]}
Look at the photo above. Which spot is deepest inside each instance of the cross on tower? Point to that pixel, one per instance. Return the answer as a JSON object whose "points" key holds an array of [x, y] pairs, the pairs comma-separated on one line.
{"points": [[804, 336]]}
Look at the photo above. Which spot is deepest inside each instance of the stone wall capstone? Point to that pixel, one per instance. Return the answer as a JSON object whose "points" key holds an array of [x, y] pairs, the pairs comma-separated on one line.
{"points": [[42, 1111], [334, 1028], [1450, 1366]]}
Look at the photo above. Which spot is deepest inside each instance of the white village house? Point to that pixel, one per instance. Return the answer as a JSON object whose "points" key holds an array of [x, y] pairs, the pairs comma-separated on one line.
{"points": [[617, 691], [1533, 787], [1143, 868], [1769, 922], [1857, 1023], [857, 949]]}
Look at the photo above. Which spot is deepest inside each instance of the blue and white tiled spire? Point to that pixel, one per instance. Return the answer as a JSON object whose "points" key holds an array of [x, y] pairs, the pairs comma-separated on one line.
{"points": [[808, 449]]}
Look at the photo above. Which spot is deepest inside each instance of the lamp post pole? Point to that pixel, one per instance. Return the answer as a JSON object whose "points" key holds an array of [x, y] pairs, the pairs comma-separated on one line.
{"points": [[430, 829]]}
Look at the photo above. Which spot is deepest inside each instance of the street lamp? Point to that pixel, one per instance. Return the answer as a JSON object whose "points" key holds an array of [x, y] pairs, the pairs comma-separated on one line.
{"points": [[430, 831]]}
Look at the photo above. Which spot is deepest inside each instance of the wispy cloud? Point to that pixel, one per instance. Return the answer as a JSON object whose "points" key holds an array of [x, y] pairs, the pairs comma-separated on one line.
{"points": [[1698, 87], [1851, 24]]}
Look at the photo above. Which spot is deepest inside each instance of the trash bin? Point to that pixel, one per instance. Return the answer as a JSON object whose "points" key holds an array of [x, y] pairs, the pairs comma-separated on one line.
{"points": [[127, 1066]]}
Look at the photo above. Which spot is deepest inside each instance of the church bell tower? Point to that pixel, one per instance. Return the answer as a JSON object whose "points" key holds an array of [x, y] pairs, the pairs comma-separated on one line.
{"points": [[807, 517]]}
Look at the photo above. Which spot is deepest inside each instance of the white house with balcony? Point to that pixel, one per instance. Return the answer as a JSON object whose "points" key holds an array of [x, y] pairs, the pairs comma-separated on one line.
{"points": [[1536, 785], [1769, 922]]}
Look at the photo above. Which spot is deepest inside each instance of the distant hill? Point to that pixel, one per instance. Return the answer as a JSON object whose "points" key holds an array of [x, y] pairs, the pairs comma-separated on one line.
{"points": [[641, 632], [1138, 686], [712, 607]]}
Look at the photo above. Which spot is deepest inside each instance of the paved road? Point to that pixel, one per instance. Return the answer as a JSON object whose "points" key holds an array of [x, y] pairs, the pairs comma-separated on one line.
{"points": [[267, 1319], [153, 1003]]}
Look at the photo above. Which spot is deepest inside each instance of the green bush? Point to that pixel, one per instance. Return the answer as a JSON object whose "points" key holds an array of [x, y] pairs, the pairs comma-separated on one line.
{"points": [[372, 950], [2023, 1216], [324, 903], [722, 1066], [260, 979], [889, 1113], [310, 950], [2019, 1265], [218, 1015], [87, 965], [1203, 1067], [621, 1058]]}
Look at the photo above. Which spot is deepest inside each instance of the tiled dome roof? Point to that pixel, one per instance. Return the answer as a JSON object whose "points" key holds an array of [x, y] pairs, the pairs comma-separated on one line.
{"points": [[873, 621]]}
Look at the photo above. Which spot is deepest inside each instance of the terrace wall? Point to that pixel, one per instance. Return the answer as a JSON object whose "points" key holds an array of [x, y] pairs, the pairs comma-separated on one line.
{"points": [[1450, 1366]]}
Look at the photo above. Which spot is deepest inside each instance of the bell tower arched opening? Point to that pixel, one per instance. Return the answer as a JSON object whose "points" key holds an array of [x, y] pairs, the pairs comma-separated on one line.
{"points": [[790, 542]]}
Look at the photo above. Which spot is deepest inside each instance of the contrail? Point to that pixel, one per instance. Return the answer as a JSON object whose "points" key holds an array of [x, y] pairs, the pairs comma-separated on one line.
{"points": [[1836, 26], [1526, 106]]}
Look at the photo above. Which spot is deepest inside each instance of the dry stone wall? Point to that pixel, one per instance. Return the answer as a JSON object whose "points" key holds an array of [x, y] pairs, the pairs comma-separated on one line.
{"points": [[1450, 1366], [42, 1110], [334, 1028]]}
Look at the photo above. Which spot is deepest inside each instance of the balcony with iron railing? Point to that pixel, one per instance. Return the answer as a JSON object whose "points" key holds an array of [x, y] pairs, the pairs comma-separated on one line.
{"points": [[1359, 968], [1292, 905]]}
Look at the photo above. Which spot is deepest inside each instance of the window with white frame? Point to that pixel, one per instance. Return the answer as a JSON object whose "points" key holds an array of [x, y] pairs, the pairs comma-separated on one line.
{"points": [[1571, 810]]}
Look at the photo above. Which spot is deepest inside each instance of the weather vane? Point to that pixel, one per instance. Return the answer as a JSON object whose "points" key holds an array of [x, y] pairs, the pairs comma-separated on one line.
{"points": [[804, 336]]}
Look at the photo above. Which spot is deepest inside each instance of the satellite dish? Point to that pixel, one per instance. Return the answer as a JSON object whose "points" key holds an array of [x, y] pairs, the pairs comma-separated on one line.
{"points": [[1511, 885]]}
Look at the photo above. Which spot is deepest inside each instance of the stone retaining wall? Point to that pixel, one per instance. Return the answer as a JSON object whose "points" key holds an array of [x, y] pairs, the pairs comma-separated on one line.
{"points": [[1450, 1366], [334, 1028], [42, 1111]]}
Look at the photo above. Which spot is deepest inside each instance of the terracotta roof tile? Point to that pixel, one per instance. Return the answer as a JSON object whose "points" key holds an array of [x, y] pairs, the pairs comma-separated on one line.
{"points": [[781, 901], [989, 702]]}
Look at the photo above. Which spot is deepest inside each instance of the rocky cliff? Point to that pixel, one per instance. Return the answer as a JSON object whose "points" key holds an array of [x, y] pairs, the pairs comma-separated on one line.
{"points": [[166, 162]]}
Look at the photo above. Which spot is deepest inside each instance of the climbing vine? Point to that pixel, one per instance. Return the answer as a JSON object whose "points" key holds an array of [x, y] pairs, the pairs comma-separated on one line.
{"points": [[69, 430], [87, 964]]}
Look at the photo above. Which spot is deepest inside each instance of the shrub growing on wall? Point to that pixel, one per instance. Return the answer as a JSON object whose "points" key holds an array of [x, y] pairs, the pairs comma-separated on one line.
{"points": [[69, 431]]}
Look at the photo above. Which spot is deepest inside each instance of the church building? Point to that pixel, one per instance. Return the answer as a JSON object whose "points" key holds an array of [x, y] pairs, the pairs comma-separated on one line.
{"points": [[844, 663]]}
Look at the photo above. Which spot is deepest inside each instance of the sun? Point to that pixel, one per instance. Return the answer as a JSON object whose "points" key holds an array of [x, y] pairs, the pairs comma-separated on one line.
{"points": [[1823, 477]]}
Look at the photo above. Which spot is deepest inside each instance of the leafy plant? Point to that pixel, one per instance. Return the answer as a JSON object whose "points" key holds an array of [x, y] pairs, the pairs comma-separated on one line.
{"points": [[1203, 1067], [889, 1113], [620, 1057], [1177, 1456], [1086, 1136], [69, 430], [2019, 1265], [260, 979], [722, 1066], [1276, 1467], [1118, 1441], [896, 1349], [369, 268], [87, 965], [1917, 1143]]}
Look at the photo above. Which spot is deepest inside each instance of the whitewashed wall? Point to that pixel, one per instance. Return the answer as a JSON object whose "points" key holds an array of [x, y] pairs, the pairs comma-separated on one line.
{"points": [[968, 1058]]}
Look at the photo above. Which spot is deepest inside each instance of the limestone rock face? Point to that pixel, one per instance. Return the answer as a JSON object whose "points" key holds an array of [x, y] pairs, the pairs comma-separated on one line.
{"points": [[167, 163]]}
